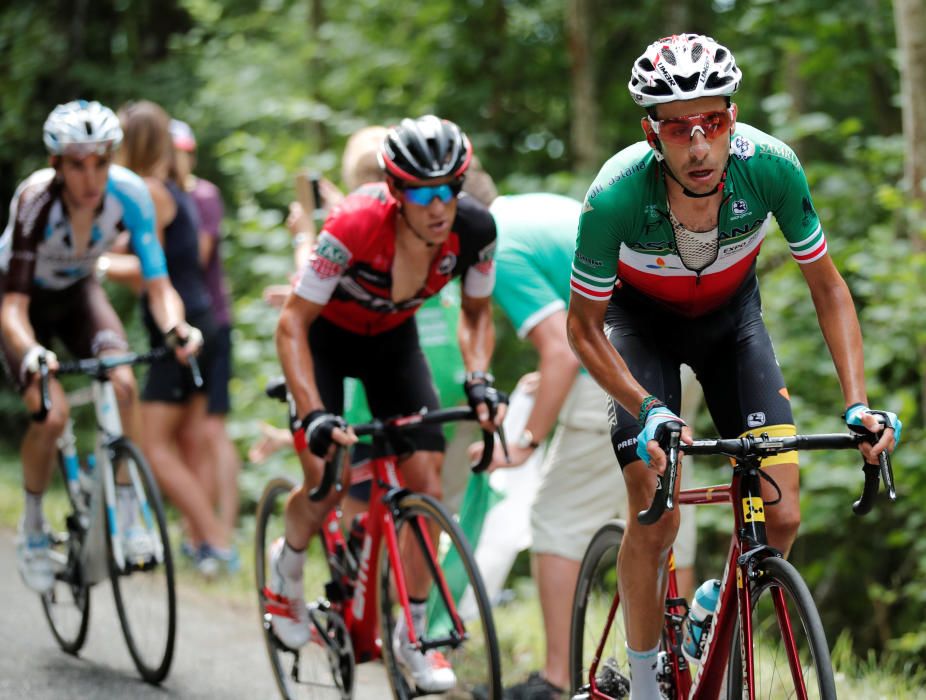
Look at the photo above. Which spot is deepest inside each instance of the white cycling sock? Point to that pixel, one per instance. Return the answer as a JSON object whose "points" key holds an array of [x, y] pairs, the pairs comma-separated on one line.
{"points": [[291, 563], [643, 682], [419, 613], [33, 519]]}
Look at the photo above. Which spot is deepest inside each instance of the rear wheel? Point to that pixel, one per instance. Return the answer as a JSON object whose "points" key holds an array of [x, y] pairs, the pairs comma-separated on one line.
{"points": [[790, 656], [427, 537], [67, 604], [323, 668], [596, 598], [144, 586]]}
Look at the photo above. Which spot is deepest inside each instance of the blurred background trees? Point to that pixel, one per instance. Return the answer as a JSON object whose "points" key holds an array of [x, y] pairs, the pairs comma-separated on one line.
{"points": [[272, 86]]}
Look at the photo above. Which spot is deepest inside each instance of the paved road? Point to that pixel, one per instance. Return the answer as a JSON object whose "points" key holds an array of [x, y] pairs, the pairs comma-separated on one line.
{"points": [[219, 652]]}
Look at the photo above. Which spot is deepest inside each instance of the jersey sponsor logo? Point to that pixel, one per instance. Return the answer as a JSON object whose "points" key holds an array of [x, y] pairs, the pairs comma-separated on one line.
{"points": [[756, 419], [594, 192], [484, 267], [590, 262], [739, 208], [661, 264], [587, 207], [742, 229], [782, 152], [324, 268], [447, 263], [742, 148], [627, 172], [332, 250], [809, 213]]}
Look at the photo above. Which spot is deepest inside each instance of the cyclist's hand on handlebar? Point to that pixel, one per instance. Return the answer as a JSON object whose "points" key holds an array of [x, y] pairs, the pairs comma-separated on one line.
{"points": [[654, 429], [29, 369], [861, 419], [185, 340], [474, 452], [488, 402], [321, 432]]}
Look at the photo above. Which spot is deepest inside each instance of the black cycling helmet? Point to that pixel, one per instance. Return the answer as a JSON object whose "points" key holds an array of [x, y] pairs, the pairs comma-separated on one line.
{"points": [[426, 148]]}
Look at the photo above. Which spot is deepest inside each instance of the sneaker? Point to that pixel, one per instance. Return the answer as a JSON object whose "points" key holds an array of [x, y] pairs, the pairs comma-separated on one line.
{"points": [[285, 602], [430, 671], [536, 687], [138, 545], [35, 564], [211, 560]]}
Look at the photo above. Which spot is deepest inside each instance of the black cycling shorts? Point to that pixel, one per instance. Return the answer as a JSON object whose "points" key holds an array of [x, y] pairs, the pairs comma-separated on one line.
{"points": [[167, 380], [729, 350], [392, 368]]}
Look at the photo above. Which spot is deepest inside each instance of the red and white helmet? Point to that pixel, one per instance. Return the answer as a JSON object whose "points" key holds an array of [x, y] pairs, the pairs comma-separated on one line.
{"points": [[683, 67]]}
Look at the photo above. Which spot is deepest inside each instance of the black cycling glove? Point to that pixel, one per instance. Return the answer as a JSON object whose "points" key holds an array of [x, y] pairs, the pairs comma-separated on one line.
{"points": [[479, 389], [315, 431]]}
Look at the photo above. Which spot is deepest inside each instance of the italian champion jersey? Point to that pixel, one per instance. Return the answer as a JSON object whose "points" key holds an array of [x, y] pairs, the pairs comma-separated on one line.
{"points": [[350, 268], [625, 236]]}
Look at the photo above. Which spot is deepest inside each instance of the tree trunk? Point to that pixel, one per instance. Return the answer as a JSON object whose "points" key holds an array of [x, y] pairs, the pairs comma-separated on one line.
{"points": [[316, 68], [584, 136], [910, 21]]}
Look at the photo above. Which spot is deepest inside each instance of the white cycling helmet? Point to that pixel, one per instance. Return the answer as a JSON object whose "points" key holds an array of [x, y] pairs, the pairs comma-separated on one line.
{"points": [[683, 67], [81, 128]]}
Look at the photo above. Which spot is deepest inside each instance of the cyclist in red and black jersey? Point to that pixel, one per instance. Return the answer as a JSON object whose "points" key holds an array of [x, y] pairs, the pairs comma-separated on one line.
{"points": [[382, 252]]}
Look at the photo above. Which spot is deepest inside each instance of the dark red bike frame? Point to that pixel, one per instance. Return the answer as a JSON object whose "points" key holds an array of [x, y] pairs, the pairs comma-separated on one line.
{"points": [[748, 548]]}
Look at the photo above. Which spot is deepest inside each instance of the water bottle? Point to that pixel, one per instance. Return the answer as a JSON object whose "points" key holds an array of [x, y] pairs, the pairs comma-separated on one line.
{"points": [[699, 618]]}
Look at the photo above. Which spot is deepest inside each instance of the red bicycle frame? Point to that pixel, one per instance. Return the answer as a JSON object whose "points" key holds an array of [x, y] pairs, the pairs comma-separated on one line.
{"points": [[359, 609]]}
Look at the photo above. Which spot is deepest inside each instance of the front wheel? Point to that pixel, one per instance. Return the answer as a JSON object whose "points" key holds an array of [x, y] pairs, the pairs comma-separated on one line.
{"points": [[428, 539], [144, 585], [67, 604], [323, 668], [596, 620], [791, 658]]}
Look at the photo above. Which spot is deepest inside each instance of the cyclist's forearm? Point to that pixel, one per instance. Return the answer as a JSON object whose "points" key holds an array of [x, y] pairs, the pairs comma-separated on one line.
{"points": [[840, 327], [295, 356], [476, 333], [18, 333], [166, 305], [584, 328]]}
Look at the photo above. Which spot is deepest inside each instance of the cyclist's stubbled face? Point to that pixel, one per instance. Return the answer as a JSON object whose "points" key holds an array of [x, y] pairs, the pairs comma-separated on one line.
{"points": [[84, 179], [698, 164], [433, 221]]}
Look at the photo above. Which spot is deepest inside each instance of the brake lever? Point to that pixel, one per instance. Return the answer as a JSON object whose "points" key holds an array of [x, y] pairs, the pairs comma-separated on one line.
{"points": [[41, 414], [884, 460]]}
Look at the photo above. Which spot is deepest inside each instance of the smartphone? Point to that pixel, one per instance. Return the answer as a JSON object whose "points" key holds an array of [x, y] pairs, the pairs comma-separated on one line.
{"points": [[308, 193]]}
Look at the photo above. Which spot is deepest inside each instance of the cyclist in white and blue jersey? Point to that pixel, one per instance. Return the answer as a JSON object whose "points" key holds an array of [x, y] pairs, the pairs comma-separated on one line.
{"points": [[62, 220]]}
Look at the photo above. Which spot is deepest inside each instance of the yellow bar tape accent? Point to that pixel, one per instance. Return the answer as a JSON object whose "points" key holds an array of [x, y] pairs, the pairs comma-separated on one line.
{"points": [[782, 430], [753, 510]]}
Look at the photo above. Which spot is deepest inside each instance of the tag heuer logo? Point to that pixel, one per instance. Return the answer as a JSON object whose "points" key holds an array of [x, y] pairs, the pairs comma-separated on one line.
{"points": [[754, 420], [740, 207]]}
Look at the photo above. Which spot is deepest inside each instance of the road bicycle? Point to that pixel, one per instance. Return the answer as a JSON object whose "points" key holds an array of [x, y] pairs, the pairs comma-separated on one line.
{"points": [[361, 582], [110, 496], [765, 638]]}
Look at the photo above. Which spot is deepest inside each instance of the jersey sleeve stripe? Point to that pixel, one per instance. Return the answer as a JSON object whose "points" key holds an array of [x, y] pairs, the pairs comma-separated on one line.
{"points": [[590, 293], [811, 242], [592, 280], [813, 255]]}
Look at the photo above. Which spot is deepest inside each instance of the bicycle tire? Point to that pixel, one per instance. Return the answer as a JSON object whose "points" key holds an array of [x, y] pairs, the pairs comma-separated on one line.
{"points": [[145, 593], [316, 670], [475, 661], [596, 588], [772, 675], [67, 604]]}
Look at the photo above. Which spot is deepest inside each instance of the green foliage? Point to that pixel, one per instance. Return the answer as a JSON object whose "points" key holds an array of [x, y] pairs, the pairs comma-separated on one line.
{"points": [[271, 86]]}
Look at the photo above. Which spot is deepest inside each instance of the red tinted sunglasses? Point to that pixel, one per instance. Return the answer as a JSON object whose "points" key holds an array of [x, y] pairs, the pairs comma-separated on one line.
{"points": [[680, 130]]}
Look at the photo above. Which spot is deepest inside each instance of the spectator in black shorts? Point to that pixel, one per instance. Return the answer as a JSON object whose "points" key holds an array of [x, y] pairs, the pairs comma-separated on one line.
{"points": [[171, 404]]}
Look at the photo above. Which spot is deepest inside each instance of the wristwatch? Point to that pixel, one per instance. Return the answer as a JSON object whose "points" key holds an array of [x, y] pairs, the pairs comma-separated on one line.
{"points": [[478, 376], [526, 441]]}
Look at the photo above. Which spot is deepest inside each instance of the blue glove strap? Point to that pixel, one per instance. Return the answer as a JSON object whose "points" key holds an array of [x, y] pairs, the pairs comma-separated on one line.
{"points": [[656, 417], [854, 418]]}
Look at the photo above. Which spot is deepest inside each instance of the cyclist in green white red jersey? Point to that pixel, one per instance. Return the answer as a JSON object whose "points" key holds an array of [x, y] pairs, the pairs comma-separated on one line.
{"points": [[664, 274]]}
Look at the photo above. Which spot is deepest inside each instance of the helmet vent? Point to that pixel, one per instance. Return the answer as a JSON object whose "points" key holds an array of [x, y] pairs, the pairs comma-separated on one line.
{"points": [[688, 84], [720, 56], [645, 64], [668, 56], [89, 127], [696, 51], [715, 81]]}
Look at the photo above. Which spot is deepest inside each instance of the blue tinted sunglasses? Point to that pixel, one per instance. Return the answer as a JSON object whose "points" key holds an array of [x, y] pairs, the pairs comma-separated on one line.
{"points": [[423, 196]]}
